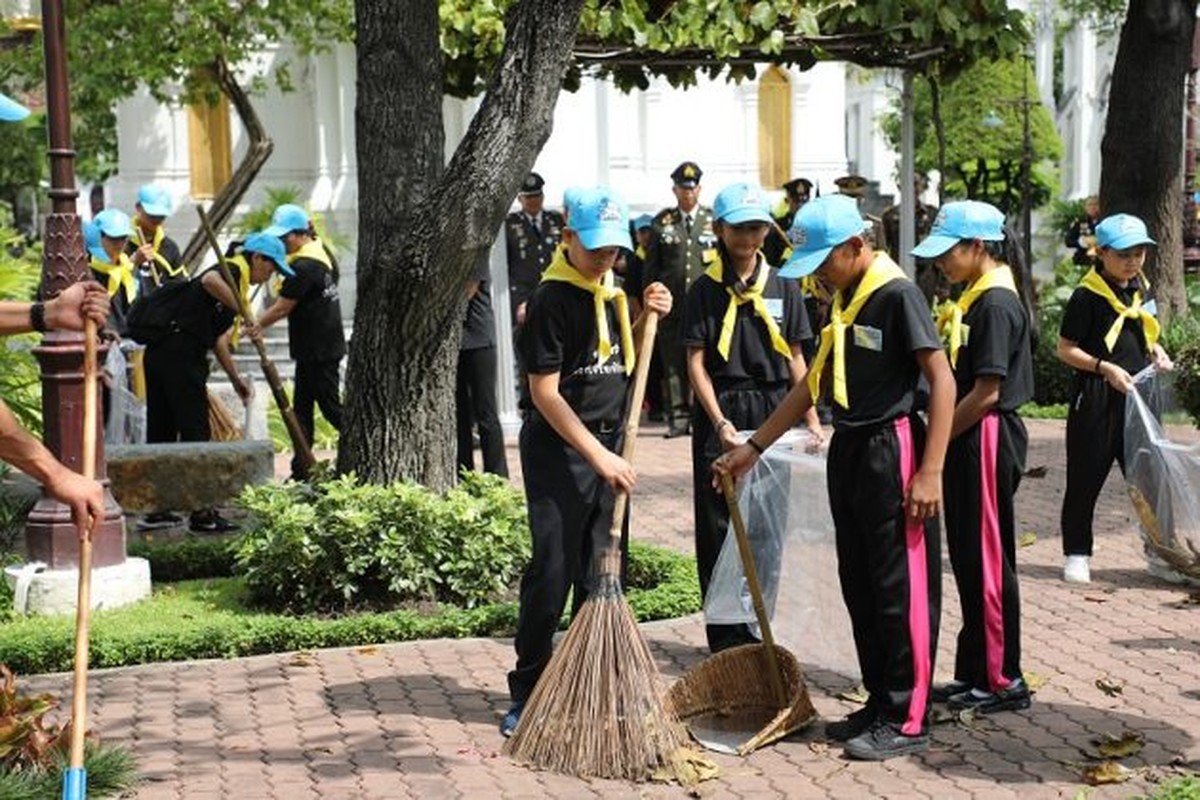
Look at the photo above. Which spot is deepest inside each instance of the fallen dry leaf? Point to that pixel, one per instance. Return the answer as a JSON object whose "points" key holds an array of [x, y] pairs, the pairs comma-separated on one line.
{"points": [[1106, 772], [301, 659], [367, 651], [968, 718], [1035, 681], [688, 767], [1192, 599], [1027, 538], [1127, 744], [1094, 598], [856, 695], [1036, 472], [1110, 686], [819, 748]]}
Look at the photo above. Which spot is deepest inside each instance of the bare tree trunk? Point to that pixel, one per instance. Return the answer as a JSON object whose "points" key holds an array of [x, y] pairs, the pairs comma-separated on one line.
{"points": [[257, 153], [422, 228], [1142, 150]]}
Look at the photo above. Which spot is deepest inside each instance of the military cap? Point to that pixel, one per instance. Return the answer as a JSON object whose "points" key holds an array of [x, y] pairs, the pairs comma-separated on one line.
{"points": [[687, 174], [792, 187], [532, 184], [853, 185]]}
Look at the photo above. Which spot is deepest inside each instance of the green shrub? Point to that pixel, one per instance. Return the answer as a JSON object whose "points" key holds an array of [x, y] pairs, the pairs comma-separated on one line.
{"points": [[1052, 379], [111, 772], [1182, 788], [211, 619], [189, 558], [343, 544], [1187, 380]]}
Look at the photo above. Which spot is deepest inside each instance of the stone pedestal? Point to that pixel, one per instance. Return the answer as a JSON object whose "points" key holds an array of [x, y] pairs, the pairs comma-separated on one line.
{"points": [[38, 590]]}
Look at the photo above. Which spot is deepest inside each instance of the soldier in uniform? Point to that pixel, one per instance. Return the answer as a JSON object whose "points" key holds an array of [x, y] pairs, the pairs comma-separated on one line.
{"points": [[675, 257], [777, 247], [531, 236], [1081, 237], [856, 186]]}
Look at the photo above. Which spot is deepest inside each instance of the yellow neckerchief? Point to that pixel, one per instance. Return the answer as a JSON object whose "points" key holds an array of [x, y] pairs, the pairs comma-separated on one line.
{"points": [[138, 240], [316, 251], [640, 252], [119, 275], [833, 336], [604, 289], [752, 294], [243, 278], [812, 286], [951, 316], [1150, 327]]}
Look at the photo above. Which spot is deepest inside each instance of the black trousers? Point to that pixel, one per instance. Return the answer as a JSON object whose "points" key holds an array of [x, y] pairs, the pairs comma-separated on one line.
{"points": [[570, 514], [176, 390], [889, 566], [673, 357], [983, 470], [316, 384], [1095, 438], [746, 407], [475, 404]]}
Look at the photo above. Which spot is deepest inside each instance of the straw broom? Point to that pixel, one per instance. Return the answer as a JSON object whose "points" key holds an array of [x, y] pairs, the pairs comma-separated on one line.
{"points": [[598, 709]]}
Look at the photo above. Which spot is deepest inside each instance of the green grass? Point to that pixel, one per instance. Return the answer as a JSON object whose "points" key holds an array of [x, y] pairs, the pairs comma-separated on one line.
{"points": [[1185, 788], [1034, 411], [111, 771], [211, 619]]}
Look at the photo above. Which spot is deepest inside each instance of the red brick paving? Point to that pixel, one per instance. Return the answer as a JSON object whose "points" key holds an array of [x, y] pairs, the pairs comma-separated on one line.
{"points": [[418, 720]]}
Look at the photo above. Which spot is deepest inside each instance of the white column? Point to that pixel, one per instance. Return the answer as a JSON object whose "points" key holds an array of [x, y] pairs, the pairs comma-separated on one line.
{"points": [[907, 198]]}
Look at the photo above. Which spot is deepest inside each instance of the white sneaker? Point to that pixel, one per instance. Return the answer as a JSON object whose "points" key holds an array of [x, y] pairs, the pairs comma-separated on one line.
{"points": [[1075, 570]]}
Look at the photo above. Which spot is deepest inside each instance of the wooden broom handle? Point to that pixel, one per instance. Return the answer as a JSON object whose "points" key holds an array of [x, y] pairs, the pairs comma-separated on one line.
{"points": [[760, 608]]}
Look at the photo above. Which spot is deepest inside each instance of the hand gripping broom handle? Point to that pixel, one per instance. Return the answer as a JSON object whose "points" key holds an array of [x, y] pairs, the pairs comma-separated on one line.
{"points": [[75, 779], [760, 608], [610, 563], [295, 432]]}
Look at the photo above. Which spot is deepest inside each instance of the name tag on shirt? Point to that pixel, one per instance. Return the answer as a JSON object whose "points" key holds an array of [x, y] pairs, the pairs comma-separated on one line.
{"points": [[966, 334], [1150, 307], [774, 308], [868, 338]]}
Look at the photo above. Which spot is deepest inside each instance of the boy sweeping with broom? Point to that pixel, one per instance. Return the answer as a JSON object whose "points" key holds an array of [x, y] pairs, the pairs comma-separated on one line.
{"points": [[884, 469], [577, 345]]}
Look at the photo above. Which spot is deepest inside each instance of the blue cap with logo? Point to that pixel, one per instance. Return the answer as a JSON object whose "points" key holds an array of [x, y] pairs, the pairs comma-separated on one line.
{"points": [[270, 247], [599, 217], [1122, 231], [821, 225], [11, 110], [965, 219], [642, 222], [741, 202], [287, 218], [155, 200], [111, 223]]}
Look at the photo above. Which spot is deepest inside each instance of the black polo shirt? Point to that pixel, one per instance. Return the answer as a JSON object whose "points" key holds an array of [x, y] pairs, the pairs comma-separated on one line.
{"points": [[315, 324], [479, 324], [881, 369], [751, 355], [1089, 316], [559, 335], [996, 343]]}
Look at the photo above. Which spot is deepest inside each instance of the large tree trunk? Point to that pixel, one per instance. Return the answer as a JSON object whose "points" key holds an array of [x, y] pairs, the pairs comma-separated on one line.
{"points": [[422, 228], [1142, 151], [257, 152]]}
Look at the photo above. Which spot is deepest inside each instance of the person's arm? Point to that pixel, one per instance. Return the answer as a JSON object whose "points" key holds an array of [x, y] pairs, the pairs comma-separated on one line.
{"points": [[923, 496], [798, 370], [983, 397], [66, 312], [1074, 356], [472, 289], [612, 469], [1073, 234], [657, 299], [218, 287], [278, 310], [225, 359], [706, 396], [84, 497], [1162, 361], [786, 415]]}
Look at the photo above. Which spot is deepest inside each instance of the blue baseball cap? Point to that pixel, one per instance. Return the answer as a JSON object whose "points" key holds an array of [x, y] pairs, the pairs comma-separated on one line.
{"points": [[741, 202], [155, 200], [1122, 231], [599, 217], [965, 219], [111, 223], [11, 110], [91, 240], [821, 225], [287, 218], [270, 247], [642, 222]]}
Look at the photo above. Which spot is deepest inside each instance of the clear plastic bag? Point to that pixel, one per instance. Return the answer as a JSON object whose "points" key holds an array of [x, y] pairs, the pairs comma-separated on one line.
{"points": [[125, 422], [785, 503], [1162, 476]]}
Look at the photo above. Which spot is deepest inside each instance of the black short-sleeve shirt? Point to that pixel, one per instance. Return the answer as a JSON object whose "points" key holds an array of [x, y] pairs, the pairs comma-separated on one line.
{"points": [[751, 354], [479, 324], [315, 324], [881, 371], [996, 343], [559, 335], [1086, 322]]}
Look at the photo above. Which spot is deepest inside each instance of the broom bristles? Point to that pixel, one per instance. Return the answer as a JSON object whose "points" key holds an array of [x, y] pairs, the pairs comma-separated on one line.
{"points": [[598, 709]]}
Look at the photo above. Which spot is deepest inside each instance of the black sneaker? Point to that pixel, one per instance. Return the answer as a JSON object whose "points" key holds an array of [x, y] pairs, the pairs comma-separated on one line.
{"points": [[159, 519], [883, 740], [1014, 698], [855, 723], [942, 692], [210, 521]]}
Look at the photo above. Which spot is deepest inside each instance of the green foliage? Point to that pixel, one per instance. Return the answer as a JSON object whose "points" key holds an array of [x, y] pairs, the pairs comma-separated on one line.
{"points": [[258, 218], [1063, 214], [24, 147], [1184, 348], [342, 543], [1186, 787], [982, 111], [27, 740], [111, 772], [1057, 411], [189, 558], [1052, 379], [20, 382], [325, 436], [214, 619]]}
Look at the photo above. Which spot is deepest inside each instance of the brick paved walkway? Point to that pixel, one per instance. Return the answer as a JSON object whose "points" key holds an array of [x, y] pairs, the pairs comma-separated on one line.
{"points": [[419, 719]]}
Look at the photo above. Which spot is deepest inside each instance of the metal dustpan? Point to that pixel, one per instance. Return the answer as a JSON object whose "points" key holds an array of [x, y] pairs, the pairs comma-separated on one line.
{"points": [[745, 697]]}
